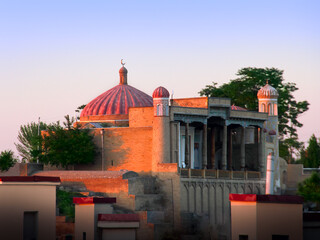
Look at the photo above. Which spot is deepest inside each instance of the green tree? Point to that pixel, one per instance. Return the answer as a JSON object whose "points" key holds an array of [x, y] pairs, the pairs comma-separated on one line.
{"points": [[65, 203], [7, 160], [67, 146], [30, 141], [288, 148], [309, 189], [243, 92], [79, 109], [311, 155]]}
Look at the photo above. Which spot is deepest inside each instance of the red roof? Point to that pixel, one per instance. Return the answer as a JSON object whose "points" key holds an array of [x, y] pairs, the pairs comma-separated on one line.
{"points": [[29, 179], [160, 92], [88, 200], [266, 198], [118, 99], [237, 108], [119, 217]]}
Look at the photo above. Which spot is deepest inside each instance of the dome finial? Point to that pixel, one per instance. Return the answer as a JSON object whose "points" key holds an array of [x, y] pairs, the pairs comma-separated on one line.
{"points": [[123, 74], [267, 79]]}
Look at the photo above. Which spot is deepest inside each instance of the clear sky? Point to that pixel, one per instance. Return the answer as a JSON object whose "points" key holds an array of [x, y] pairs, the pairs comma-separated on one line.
{"points": [[57, 55]]}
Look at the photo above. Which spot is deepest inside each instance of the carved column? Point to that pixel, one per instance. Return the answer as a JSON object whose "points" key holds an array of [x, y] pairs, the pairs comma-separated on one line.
{"points": [[187, 148], [259, 148], [230, 150], [204, 146], [243, 149], [172, 141], [262, 160], [224, 147], [213, 147]]}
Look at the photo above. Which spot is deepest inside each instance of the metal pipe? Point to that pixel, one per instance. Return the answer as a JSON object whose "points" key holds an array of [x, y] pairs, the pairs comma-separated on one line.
{"points": [[102, 149]]}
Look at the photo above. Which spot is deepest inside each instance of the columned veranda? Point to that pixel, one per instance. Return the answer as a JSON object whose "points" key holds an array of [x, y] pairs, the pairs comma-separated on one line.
{"points": [[219, 144]]}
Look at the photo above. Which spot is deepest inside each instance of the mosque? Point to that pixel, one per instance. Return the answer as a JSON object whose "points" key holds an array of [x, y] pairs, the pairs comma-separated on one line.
{"points": [[198, 150], [144, 134]]}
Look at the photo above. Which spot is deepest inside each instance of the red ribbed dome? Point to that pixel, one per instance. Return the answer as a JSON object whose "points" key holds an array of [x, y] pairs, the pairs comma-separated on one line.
{"points": [[160, 92], [117, 100]]}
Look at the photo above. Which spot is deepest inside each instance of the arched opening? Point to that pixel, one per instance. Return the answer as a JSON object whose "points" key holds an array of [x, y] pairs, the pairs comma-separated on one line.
{"points": [[275, 109], [269, 109]]}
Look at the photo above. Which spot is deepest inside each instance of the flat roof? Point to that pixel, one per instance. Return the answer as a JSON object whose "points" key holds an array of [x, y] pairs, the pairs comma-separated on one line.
{"points": [[70, 174], [90, 200], [266, 198], [29, 179], [131, 217]]}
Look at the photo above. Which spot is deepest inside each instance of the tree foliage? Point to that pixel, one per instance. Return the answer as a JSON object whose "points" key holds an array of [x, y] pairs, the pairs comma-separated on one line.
{"points": [[309, 189], [79, 109], [310, 156], [65, 203], [67, 146], [30, 141], [243, 92], [288, 148], [7, 160]]}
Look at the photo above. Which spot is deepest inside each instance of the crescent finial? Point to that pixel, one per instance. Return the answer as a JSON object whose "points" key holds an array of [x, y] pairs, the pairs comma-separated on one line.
{"points": [[122, 63]]}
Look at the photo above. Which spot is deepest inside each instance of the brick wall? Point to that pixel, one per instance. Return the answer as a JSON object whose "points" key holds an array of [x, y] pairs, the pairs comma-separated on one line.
{"points": [[127, 148], [201, 102], [141, 117], [102, 118]]}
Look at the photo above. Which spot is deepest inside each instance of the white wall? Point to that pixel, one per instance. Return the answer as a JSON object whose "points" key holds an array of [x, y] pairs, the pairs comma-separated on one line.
{"points": [[15, 199]]}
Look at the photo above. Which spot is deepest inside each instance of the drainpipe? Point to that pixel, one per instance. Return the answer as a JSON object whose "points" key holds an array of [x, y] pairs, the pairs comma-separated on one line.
{"points": [[270, 174], [102, 149]]}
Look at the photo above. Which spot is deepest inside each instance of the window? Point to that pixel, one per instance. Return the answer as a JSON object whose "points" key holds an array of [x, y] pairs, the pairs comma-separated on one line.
{"points": [[30, 226], [158, 109], [269, 109], [280, 237], [275, 109], [243, 237]]}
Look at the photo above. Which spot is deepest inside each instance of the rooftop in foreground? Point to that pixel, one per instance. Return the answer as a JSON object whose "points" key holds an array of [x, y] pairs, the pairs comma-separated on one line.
{"points": [[266, 198]]}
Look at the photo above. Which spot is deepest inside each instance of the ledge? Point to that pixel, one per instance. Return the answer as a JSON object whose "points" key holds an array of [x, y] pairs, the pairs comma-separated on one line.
{"points": [[93, 200], [266, 198], [30, 179], [219, 174]]}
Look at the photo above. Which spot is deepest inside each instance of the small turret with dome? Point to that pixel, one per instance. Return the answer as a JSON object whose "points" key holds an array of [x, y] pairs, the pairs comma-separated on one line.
{"points": [[268, 92], [268, 100], [161, 101], [160, 92], [161, 128]]}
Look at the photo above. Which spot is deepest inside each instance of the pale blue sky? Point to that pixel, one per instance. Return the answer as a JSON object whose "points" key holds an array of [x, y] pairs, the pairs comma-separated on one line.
{"points": [[57, 55]]}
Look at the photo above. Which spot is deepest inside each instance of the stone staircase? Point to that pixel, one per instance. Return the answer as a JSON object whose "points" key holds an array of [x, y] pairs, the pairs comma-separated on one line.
{"points": [[149, 198]]}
